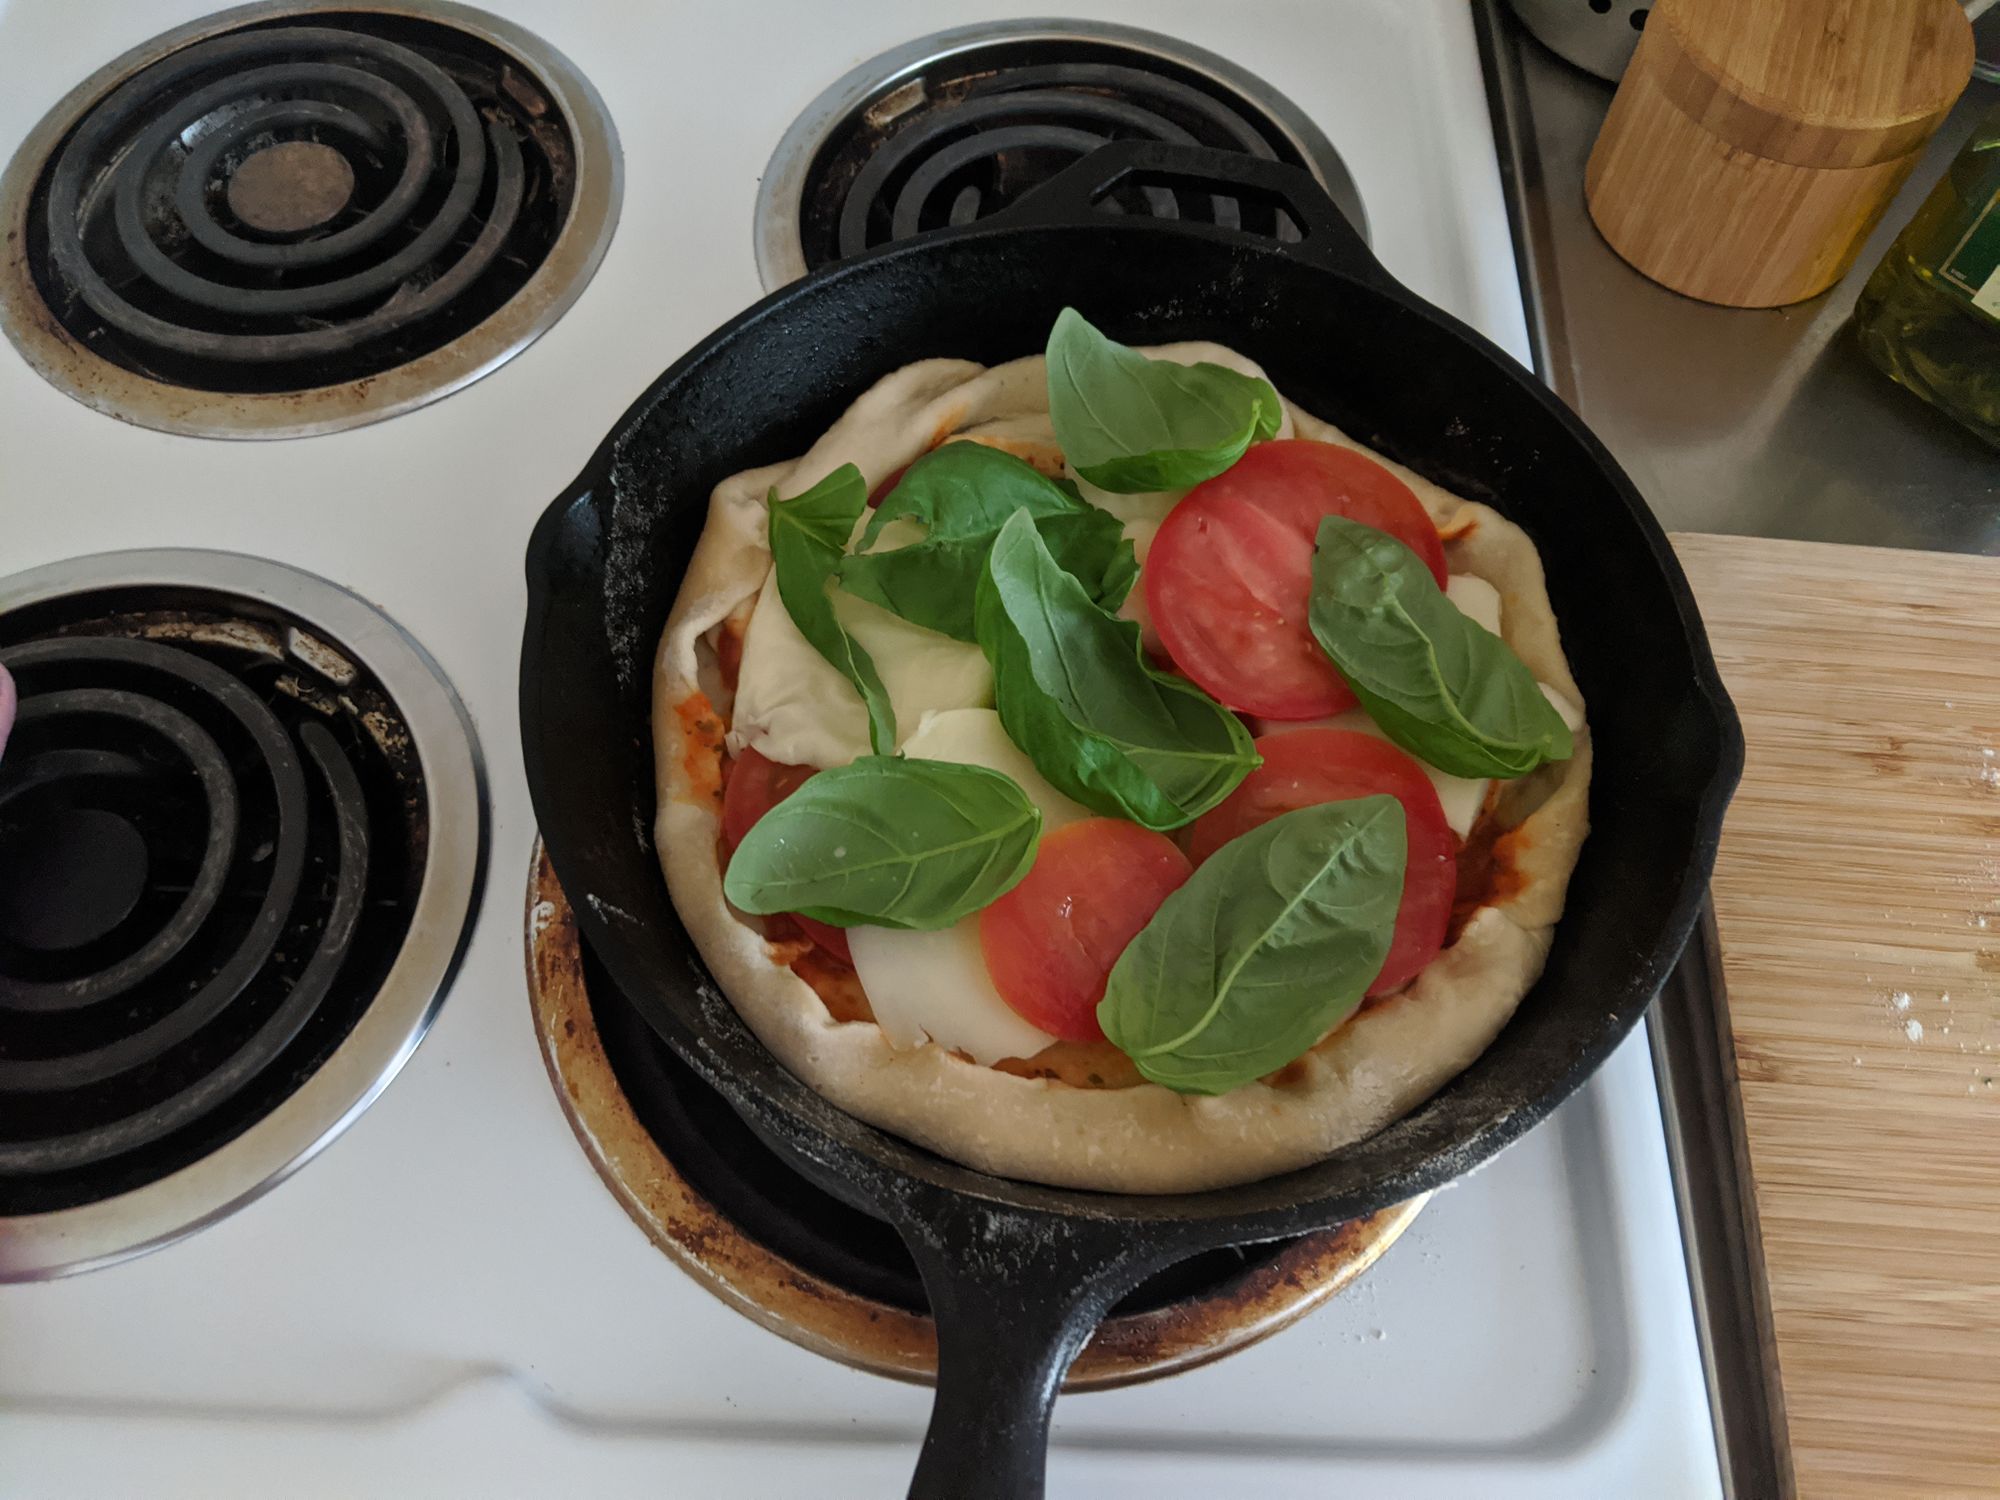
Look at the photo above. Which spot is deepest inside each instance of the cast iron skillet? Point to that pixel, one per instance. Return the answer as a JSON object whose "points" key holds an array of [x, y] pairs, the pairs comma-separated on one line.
{"points": [[1017, 1274]]}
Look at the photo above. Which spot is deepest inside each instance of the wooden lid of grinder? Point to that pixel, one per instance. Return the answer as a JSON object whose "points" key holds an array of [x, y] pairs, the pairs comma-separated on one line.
{"points": [[1753, 144], [1820, 83]]}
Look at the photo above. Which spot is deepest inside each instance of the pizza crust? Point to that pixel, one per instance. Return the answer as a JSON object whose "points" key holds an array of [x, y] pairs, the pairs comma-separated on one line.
{"points": [[1146, 1139]]}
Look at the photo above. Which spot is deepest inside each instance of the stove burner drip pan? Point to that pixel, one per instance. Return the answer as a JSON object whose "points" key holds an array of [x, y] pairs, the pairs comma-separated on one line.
{"points": [[237, 861], [828, 1277], [284, 201], [954, 127]]}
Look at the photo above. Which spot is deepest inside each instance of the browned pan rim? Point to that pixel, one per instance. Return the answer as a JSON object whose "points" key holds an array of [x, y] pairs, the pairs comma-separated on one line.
{"points": [[828, 1319]]}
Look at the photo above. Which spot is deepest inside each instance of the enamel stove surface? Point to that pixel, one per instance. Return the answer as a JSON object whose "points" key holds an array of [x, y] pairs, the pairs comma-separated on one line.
{"points": [[448, 1293]]}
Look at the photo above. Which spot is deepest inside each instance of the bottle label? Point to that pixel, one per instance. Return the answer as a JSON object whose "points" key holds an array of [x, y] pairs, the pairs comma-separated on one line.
{"points": [[1973, 266]]}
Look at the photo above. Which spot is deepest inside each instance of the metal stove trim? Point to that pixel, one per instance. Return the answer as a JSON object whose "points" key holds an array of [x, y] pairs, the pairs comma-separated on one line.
{"points": [[1687, 1027], [572, 262], [775, 227], [38, 1247]]}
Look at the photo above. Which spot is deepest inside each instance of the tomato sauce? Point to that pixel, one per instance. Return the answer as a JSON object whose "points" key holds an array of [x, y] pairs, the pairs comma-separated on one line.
{"points": [[1290, 1075], [729, 652], [701, 732], [835, 982], [1082, 1065], [1488, 873], [881, 491]]}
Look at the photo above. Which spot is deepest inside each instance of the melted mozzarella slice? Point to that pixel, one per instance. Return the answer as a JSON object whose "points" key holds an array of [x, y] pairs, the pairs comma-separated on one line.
{"points": [[1147, 509], [1571, 714], [934, 984], [1142, 516], [974, 737], [1477, 599], [793, 706]]}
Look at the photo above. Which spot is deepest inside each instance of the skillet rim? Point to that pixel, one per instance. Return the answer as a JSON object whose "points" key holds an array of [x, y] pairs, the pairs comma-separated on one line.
{"points": [[830, 1143]]}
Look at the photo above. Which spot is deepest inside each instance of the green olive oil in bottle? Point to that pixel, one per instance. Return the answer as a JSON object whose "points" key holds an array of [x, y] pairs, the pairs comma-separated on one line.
{"points": [[1930, 315]]}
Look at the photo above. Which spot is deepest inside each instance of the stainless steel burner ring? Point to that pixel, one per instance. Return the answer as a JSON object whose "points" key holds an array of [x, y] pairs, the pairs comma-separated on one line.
{"points": [[41, 1245]]}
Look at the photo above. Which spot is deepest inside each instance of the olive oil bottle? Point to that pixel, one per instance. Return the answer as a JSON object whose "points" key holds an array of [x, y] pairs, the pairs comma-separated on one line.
{"points": [[1930, 315]]}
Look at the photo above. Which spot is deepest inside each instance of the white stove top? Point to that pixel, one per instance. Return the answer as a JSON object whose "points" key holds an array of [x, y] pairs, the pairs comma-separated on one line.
{"points": [[448, 1301]]}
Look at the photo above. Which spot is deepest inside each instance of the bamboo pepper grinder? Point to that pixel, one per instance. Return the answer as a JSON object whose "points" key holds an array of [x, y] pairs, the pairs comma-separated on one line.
{"points": [[1753, 144]]}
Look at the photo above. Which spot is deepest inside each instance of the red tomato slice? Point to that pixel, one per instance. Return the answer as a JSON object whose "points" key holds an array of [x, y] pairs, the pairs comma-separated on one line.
{"points": [[1305, 767], [1051, 941], [1229, 578], [881, 491], [756, 785]]}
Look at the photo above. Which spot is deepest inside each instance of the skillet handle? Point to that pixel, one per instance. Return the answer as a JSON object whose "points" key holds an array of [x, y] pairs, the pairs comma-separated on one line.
{"points": [[1074, 195], [1015, 1296]]}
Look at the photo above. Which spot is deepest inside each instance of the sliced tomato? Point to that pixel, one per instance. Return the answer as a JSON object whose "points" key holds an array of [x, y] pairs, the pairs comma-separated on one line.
{"points": [[881, 491], [756, 785], [1229, 577], [1305, 767], [1051, 941]]}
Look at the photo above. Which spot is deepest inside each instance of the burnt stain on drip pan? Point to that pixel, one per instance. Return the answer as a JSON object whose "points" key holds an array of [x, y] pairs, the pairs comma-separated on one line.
{"points": [[282, 220], [824, 1276]]}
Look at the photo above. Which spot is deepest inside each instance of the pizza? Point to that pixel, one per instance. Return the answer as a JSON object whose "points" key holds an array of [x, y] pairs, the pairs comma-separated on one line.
{"points": [[1102, 772]]}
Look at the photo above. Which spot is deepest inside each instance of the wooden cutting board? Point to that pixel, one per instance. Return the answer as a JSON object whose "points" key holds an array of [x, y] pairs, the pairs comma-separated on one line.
{"points": [[1858, 895]]}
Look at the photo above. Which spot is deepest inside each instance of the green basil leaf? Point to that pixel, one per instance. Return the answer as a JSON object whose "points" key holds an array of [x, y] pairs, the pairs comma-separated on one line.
{"points": [[1075, 693], [1442, 686], [1132, 424], [888, 840], [808, 536], [962, 493], [1269, 945]]}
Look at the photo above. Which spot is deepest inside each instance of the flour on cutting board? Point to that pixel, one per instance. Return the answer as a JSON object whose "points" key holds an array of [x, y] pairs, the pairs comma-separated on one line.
{"points": [[1899, 1007]]}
